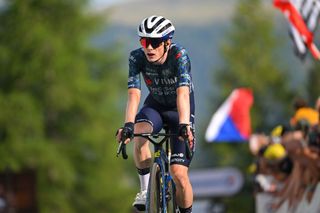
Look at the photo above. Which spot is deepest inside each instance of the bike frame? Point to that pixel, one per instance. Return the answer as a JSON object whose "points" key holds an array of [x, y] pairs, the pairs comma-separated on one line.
{"points": [[162, 158]]}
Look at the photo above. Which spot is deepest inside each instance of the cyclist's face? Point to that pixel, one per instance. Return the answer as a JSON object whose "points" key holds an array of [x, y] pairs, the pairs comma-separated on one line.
{"points": [[153, 48]]}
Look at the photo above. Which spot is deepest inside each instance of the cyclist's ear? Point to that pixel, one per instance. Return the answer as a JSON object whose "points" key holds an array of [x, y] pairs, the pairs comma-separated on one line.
{"points": [[166, 45]]}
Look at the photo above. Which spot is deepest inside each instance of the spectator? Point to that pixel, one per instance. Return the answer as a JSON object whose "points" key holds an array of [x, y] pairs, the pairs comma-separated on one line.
{"points": [[304, 116], [287, 162], [317, 106]]}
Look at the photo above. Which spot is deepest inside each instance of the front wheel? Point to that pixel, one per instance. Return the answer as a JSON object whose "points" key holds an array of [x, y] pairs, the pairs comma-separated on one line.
{"points": [[154, 190]]}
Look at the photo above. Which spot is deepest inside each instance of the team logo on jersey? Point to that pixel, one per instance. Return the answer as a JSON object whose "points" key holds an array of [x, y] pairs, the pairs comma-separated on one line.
{"points": [[178, 55], [166, 81], [148, 81]]}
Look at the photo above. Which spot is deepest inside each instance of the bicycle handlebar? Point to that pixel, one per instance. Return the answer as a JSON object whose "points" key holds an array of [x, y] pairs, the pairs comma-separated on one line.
{"points": [[122, 145], [123, 150], [154, 135]]}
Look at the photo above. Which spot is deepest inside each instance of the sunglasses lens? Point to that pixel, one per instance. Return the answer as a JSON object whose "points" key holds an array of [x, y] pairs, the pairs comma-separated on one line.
{"points": [[143, 42], [154, 42]]}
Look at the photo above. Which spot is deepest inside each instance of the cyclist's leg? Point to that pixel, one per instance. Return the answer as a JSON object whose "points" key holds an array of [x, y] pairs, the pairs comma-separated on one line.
{"points": [[184, 193], [179, 171], [179, 162], [142, 153], [142, 159], [147, 120]]}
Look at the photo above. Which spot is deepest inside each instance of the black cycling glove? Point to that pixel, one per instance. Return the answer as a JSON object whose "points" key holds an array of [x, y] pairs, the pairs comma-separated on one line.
{"points": [[127, 131], [183, 131]]}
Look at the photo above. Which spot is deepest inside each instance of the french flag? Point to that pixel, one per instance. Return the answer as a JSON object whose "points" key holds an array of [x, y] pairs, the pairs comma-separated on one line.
{"points": [[231, 122]]}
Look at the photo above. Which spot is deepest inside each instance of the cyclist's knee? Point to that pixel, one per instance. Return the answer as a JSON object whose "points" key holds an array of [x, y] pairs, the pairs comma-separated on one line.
{"points": [[180, 175], [141, 143], [142, 127]]}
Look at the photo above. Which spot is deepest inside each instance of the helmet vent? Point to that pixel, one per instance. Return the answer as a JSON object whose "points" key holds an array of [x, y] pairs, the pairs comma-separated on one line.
{"points": [[150, 30], [164, 28]]}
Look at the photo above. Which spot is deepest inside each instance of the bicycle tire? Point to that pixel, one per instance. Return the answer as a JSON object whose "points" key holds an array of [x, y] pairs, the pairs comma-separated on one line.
{"points": [[154, 191]]}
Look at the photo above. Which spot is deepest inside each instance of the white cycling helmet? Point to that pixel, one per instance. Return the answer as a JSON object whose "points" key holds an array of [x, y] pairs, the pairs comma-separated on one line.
{"points": [[156, 27]]}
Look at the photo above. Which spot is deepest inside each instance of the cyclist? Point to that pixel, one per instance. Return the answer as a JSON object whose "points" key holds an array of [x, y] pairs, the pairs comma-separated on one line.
{"points": [[165, 67]]}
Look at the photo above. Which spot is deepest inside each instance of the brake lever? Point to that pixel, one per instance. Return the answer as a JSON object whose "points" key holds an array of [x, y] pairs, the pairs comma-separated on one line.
{"points": [[123, 150]]}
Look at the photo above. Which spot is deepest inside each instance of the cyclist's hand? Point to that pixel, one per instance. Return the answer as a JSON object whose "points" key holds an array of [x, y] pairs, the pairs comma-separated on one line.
{"points": [[125, 133], [185, 133], [118, 134]]}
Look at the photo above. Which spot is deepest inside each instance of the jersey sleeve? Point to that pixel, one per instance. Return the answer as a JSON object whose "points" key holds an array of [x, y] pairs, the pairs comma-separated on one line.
{"points": [[183, 68], [134, 71]]}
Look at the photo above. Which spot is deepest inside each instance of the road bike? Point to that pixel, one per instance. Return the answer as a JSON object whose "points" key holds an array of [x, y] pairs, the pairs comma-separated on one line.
{"points": [[161, 189]]}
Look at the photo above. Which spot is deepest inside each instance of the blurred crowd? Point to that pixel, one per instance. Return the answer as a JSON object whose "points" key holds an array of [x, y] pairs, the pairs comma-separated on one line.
{"points": [[287, 161]]}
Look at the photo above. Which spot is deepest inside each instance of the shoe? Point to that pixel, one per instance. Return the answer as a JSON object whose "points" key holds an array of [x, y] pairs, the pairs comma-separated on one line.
{"points": [[140, 201]]}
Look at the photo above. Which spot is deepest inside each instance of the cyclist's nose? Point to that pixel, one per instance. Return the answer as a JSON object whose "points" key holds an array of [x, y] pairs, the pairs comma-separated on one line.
{"points": [[149, 46]]}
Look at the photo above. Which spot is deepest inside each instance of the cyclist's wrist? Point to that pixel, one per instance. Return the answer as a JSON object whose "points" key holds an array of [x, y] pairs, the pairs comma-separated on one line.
{"points": [[129, 125], [127, 131], [183, 130], [183, 125]]}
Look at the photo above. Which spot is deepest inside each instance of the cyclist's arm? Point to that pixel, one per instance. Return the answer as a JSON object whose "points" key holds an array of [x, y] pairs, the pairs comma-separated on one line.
{"points": [[183, 104], [134, 85], [134, 95], [131, 110], [183, 85]]}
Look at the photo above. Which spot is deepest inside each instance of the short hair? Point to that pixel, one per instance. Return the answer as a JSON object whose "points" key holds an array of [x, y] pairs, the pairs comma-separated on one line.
{"points": [[299, 103]]}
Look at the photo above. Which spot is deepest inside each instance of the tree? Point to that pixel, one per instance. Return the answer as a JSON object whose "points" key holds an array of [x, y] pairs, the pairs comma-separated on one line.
{"points": [[58, 101], [313, 82], [250, 60]]}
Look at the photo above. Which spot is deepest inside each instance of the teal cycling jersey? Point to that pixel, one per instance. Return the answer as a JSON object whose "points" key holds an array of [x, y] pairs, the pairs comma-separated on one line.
{"points": [[162, 80]]}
